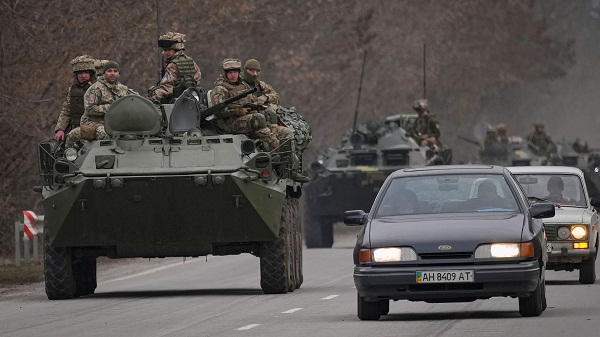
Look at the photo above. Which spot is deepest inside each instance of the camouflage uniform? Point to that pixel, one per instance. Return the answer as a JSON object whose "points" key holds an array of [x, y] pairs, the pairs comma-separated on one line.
{"points": [[425, 127], [541, 142], [235, 118], [493, 151], [266, 95], [180, 71], [97, 100], [72, 107]]}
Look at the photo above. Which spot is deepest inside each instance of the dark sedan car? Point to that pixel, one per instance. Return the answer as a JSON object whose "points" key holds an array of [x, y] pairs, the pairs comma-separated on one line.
{"points": [[450, 234]]}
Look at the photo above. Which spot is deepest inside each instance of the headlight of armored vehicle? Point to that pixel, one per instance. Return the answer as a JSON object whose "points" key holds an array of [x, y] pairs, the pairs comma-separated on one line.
{"points": [[71, 154]]}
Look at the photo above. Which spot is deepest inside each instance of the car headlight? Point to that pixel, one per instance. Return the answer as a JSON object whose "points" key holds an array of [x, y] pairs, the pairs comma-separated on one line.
{"points": [[563, 233], [578, 232], [504, 250], [71, 154], [388, 254]]}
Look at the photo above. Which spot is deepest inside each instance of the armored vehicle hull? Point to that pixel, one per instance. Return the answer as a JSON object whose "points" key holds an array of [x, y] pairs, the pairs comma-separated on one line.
{"points": [[152, 192], [349, 176]]}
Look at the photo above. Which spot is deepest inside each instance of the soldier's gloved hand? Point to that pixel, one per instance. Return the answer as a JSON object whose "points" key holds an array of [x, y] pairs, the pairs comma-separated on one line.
{"points": [[262, 99], [270, 115], [151, 91], [223, 113], [60, 135]]}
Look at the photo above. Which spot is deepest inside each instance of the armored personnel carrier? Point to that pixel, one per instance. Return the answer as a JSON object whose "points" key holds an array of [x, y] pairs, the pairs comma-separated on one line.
{"points": [[350, 175], [166, 184]]}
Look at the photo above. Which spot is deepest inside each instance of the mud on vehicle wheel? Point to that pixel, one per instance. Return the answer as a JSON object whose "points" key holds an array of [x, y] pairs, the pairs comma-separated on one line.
{"points": [[58, 270], [275, 262]]}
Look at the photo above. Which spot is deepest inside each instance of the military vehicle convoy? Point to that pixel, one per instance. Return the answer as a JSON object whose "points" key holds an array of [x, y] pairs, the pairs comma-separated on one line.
{"points": [[350, 175], [166, 184]]}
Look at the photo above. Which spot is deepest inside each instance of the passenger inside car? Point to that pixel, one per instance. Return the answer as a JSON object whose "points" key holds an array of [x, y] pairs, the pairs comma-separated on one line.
{"points": [[487, 197], [555, 189], [407, 202]]}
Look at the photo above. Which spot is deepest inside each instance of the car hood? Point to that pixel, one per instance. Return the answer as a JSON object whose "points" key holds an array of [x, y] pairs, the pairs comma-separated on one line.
{"points": [[463, 232], [569, 215]]}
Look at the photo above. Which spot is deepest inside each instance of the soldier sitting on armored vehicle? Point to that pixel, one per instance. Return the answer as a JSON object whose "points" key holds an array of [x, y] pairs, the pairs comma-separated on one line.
{"points": [[426, 129], [97, 100], [493, 151], [180, 71], [235, 118], [84, 74], [540, 142]]}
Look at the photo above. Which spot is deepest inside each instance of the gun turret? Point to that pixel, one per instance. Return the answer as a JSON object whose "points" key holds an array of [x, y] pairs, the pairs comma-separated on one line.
{"points": [[212, 109]]}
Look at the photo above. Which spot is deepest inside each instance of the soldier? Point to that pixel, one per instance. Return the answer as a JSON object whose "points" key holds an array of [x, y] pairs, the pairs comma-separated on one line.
{"points": [[501, 131], [235, 118], [426, 129], [267, 96], [180, 71], [541, 143], [493, 151], [97, 100], [84, 74]]}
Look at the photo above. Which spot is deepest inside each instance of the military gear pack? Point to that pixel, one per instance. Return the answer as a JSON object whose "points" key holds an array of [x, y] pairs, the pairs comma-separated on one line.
{"points": [[83, 63], [172, 40], [293, 120], [187, 70]]}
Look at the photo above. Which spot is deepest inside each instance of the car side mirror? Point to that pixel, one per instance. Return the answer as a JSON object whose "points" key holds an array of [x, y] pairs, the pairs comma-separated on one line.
{"points": [[595, 202], [542, 210], [355, 218]]}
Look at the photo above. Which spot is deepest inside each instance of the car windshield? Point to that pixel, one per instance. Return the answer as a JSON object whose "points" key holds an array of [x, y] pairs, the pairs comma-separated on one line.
{"points": [[458, 193], [562, 189]]}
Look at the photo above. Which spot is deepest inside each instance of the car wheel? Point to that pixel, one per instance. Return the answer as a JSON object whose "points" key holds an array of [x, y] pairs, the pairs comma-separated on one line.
{"points": [[368, 311], [384, 307], [532, 305], [587, 271], [544, 302]]}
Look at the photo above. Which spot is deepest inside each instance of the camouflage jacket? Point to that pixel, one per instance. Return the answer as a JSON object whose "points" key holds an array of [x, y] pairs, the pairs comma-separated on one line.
{"points": [[98, 99], [426, 126], [542, 142], [225, 89], [264, 90], [172, 81], [72, 107]]}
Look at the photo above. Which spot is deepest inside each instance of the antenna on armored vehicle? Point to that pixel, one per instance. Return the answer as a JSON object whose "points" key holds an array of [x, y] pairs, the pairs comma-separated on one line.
{"points": [[362, 72], [424, 71], [160, 75]]}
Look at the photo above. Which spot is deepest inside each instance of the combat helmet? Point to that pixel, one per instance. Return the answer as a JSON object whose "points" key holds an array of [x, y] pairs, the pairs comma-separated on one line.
{"points": [[501, 127], [172, 40], [83, 63], [231, 64], [420, 105]]}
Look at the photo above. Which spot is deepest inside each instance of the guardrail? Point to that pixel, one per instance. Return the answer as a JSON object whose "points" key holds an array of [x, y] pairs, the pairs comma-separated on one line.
{"points": [[27, 233]]}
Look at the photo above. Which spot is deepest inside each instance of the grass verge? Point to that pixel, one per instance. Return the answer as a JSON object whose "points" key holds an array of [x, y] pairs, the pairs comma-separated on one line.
{"points": [[11, 275]]}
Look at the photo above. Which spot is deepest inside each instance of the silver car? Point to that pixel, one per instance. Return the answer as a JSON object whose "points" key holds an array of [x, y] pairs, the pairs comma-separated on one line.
{"points": [[572, 233]]}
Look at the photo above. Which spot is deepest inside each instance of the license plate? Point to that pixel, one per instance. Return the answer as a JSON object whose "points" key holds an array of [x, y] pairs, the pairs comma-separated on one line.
{"points": [[445, 276], [549, 247]]}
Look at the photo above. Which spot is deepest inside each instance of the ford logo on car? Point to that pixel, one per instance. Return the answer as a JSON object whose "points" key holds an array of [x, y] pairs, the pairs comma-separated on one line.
{"points": [[444, 247]]}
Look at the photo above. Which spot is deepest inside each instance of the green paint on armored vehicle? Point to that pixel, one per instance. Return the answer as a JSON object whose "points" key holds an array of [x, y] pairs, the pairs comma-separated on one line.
{"points": [[167, 184]]}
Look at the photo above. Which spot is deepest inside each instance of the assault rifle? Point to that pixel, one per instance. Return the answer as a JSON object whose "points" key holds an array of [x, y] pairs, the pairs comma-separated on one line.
{"points": [[212, 109]]}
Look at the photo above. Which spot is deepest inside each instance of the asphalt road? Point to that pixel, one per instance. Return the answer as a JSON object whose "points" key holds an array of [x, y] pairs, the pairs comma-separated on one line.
{"points": [[221, 296]]}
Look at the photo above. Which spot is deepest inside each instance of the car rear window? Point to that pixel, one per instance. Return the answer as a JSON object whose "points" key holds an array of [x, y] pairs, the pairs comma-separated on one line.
{"points": [[434, 194]]}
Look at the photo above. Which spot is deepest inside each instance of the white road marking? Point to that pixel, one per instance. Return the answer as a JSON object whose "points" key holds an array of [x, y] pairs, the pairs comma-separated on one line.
{"points": [[248, 327], [330, 297], [151, 271], [291, 311]]}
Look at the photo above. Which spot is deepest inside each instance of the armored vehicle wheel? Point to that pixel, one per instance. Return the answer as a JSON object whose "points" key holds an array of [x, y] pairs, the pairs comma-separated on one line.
{"points": [[84, 270], [318, 231], [298, 243], [275, 262], [58, 271], [534, 304], [587, 271], [368, 311]]}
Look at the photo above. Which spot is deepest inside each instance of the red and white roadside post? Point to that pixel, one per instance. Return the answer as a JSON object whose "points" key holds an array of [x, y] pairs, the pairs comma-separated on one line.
{"points": [[30, 233]]}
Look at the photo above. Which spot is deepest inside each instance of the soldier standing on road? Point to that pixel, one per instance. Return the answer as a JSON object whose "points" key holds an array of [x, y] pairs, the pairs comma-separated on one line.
{"points": [[235, 118], [540, 141], [426, 129], [180, 71], [266, 96], [84, 74], [97, 100]]}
